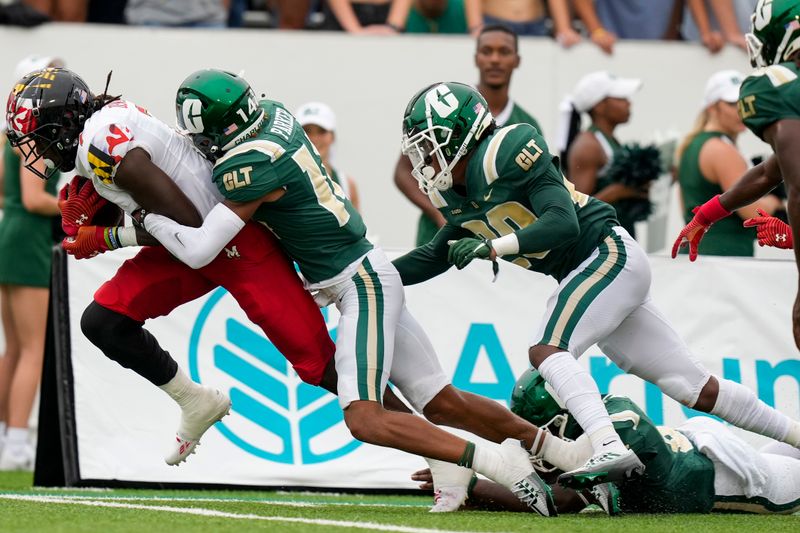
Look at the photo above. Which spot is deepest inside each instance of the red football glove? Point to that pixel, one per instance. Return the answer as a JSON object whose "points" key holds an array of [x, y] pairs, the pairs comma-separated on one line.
{"points": [[90, 241], [704, 216], [771, 231], [78, 202]]}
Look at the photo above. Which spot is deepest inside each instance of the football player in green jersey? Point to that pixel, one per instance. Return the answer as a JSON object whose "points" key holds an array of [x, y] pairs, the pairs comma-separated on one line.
{"points": [[698, 467], [769, 104], [267, 169], [503, 196], [497, 57]]}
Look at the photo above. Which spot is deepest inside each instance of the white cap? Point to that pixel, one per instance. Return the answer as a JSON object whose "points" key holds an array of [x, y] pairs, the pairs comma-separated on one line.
{"points": [[724, 85], [318, 114], [595, 87], [32, 63]]}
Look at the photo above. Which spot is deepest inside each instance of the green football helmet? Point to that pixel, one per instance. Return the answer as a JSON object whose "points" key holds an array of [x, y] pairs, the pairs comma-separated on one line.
{"points": [[218, 110], [534, 400], [775, 32], [445, 121]]}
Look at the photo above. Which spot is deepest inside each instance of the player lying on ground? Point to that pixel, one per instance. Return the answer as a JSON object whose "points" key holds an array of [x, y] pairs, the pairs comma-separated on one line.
{"points": [[696, 468], [769, 104], [136, 161], [503, 196]]}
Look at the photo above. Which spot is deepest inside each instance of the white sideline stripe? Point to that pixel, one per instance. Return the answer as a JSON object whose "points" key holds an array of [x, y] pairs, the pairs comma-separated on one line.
{"points": [[207, 499], [221, 514]]}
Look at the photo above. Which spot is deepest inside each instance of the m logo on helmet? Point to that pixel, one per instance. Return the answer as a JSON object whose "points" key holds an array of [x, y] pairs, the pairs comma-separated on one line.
{"points": [[192, 115], [441, 100], [762, 14]]}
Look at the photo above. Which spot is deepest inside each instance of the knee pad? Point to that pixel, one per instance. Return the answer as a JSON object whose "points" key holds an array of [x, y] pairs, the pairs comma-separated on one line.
{"points": [[680, 390], [104, 327]]}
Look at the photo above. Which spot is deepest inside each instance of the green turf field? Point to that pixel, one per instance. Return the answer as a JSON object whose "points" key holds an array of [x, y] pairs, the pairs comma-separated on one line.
{"points": [[24, 509]]}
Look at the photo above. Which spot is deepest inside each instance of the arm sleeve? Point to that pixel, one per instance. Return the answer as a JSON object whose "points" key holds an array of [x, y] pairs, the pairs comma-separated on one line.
{"points": [[557, 224], [429, 260], [196, 247]]}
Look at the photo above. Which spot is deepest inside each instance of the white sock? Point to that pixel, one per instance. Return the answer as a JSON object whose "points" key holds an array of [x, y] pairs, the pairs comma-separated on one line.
{"points": [[16, 439], [180, 388], [741, 407], [576, 388], [566, 456]]}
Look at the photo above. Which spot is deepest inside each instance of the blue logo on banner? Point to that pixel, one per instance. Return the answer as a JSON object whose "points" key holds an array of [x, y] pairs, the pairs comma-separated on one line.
{"points": [[296, 412], [483, 339]]}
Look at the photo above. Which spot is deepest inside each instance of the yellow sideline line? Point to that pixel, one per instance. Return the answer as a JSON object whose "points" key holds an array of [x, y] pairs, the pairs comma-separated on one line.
{"points": [[373, 526]]}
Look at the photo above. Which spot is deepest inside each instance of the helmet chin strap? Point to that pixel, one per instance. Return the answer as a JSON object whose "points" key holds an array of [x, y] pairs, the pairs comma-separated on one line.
{"points": [[428, 172]]}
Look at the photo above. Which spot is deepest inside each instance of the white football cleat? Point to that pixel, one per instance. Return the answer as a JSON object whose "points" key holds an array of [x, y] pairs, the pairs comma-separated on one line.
{"points": [[606, 495], [521, 479], [450, 484], [603, 467], [207, 408]]}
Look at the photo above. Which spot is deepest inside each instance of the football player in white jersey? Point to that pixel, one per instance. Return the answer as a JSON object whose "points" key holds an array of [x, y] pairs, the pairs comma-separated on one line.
{"points": [[137, 162]]}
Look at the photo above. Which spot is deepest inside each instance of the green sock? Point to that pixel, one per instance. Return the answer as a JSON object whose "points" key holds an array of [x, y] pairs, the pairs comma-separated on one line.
{"points": [[467, 456]]}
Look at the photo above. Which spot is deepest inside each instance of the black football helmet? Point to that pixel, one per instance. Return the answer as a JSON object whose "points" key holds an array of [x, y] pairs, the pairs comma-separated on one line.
{"points": [[45, 114]]}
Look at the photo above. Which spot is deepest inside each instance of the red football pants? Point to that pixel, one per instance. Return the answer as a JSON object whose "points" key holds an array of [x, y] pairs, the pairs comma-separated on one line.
{"points": [[256, 272]]}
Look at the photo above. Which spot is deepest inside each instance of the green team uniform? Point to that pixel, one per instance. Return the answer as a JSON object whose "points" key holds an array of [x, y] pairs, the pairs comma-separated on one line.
{"points": [[677, 477], [727, 236], [768, 95], [452, 20], [426, 228], [314, 222], [511, 180], [26, 239]]}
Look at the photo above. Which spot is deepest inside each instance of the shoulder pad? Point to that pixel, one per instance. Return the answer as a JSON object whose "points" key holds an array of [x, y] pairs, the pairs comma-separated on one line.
{"points": [[105, 150], [514, 151]]}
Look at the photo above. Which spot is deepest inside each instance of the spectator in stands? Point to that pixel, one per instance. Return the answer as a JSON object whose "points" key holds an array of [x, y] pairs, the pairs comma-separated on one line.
{"points": [[496, 57], [443, 16], [606, 99], [709, 164], [26, 241], [530, 17], [61, 10], [716, 22], [291, 13], [319, 123], [18, 13], [609, 20], [379, 17], [178, 13]]}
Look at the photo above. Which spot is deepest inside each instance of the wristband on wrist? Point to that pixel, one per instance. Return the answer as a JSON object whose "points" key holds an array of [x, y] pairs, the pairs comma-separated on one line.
{"points": [[598, 32], [711, 211], [505, 245], [126, 236], [110, 236]]}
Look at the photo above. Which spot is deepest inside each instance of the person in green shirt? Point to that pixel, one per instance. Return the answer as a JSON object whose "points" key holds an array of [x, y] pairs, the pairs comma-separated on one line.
{"points": [[769, 105], [444, 16], [698, 467], [606, 99], [709, 164], [26, 242], [504, 197], [496, 57]]}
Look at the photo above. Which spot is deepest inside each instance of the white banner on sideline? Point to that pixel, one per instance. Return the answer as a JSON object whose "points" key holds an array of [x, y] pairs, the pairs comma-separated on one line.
{"points": [[735, 314]]}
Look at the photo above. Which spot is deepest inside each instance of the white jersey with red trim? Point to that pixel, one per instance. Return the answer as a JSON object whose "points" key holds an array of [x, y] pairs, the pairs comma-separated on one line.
{"points": [[120, 126]]}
